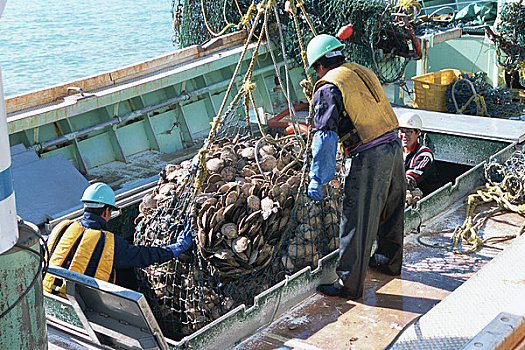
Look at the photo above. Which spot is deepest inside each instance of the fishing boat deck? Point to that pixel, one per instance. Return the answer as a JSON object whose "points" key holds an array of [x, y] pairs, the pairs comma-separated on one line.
{"points": [[389, 303]]}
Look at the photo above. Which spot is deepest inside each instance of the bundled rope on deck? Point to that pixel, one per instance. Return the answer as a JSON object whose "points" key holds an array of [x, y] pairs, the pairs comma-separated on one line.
{"points": [[506, 188]]}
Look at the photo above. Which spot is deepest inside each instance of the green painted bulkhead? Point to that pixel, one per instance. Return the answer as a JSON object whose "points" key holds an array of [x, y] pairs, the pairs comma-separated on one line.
{"points": [[135, 125], [469, 53]]}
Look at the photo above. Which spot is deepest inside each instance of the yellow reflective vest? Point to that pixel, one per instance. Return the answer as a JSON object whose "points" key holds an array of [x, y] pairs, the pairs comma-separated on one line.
{"points": [[71, 246], [364, 100]]}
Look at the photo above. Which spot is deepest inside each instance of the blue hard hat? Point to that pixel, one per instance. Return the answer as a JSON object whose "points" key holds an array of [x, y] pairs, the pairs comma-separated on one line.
{"points": [[98, 194]]}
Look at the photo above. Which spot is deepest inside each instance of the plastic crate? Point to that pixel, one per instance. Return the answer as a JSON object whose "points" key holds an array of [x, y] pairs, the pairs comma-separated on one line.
{"points": [[430, 89]]}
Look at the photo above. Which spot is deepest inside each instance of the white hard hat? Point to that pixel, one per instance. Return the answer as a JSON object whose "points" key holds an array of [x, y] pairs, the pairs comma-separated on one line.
{"points": [[410, 120]]}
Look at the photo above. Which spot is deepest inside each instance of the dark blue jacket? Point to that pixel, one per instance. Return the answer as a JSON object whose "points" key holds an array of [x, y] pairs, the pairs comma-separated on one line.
{"points": [[126, 254]]}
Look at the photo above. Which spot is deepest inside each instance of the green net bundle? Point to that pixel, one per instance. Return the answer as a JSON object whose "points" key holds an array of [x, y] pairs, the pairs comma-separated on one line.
{"points": [[493, 102], [510, 43], [379, 40]]}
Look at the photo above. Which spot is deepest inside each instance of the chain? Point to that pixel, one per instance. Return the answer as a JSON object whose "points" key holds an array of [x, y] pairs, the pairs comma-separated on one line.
{"points": [[176, 20]]}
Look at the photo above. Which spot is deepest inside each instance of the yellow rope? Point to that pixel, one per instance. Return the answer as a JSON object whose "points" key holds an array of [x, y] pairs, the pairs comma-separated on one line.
{"points": [[300, 4], [468, 233], [217, 120], [228, 26], [300, 38], [243, 22]]}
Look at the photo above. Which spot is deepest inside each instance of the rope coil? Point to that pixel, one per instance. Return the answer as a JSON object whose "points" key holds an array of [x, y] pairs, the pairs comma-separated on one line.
{"points": [[506, 188]]}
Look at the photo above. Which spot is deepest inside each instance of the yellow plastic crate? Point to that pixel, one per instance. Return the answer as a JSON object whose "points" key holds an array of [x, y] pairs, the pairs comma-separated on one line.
{"points": [[430, 89]]}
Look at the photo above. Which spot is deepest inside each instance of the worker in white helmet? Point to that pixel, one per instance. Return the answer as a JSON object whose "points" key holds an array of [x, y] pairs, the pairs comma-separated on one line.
{"points": [[420, 169]]}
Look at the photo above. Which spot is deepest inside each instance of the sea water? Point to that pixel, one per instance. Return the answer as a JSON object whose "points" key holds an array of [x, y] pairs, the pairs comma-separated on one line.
{"points": [[48, 42]]}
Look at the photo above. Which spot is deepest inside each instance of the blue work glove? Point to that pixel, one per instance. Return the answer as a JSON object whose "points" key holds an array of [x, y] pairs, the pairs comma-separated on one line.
{"points": [[183, 243], [324, 151], [315, 190]]}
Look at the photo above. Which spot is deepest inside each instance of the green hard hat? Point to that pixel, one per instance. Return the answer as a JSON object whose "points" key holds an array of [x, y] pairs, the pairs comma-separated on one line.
{"points": [[98, 194], [319, 46]]}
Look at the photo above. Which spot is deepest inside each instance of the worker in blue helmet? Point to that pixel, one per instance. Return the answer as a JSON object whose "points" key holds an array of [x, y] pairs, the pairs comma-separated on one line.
{"points": [[86, 246], [351, 108]]}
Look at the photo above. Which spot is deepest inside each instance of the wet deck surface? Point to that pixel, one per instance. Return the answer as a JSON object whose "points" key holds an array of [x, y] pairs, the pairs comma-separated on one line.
{"points": [[389, 303]]}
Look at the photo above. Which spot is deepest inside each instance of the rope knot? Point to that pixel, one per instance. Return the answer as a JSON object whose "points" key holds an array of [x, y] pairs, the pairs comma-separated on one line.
{"points": [[308, 88], [248, 86]]}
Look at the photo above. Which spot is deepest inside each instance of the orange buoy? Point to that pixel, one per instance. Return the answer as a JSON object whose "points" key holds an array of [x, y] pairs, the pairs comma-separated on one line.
{"points": [[345, 32]]}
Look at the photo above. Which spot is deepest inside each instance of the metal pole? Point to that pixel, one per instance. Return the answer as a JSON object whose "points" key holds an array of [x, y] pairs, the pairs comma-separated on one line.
{"points": [[138, 113], [8, 225]]}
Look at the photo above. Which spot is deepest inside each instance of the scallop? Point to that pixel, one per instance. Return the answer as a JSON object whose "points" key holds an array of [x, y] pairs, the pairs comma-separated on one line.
{"points": [[214, 165]]}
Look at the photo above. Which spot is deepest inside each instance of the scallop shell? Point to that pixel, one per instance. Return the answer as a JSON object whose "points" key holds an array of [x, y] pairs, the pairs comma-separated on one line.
{"points": [[214, 165], [149, 201], [247, 172], [228, 156], [268, 162], [228, 173], [213, 178], [267, 150], [330, 219], [231, 197], [240, 244], [229, 230], [224, 254], [254, 203], [248, 153]]}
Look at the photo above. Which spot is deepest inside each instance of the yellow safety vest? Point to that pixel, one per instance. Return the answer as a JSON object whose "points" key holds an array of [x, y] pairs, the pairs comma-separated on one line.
{"points": [[71, 246], [364, 100]]}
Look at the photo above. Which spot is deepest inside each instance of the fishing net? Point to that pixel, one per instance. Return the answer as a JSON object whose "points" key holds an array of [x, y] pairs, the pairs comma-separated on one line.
{"points": [[382, 39], [244, 198], [472, 94], [510, 39], [254, 225]]}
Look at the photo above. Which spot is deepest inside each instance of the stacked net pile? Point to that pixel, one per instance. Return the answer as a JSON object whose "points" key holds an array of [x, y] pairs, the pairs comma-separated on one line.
{"points": [[380, 40], [472, 94]]}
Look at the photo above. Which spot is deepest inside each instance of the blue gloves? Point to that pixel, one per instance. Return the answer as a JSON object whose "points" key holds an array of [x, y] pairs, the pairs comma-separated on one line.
{"points": [[324, 151], [315, 190], [183, 243]]}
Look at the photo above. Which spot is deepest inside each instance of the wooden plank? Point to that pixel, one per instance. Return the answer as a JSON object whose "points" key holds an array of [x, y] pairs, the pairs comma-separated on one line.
{"points": [[94, 82], [448, 35], [177, 57], [52, 94]]}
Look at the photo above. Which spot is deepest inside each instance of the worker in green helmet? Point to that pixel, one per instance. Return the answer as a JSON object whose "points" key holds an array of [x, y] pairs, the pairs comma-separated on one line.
{"points": [[351, 107], [86, 246]]}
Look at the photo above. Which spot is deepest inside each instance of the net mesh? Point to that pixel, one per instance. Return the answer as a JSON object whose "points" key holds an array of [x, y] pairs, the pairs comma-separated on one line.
{"points": [[244, 194], [380, 41], [493, 102], [254, 225], [510, 43]]}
